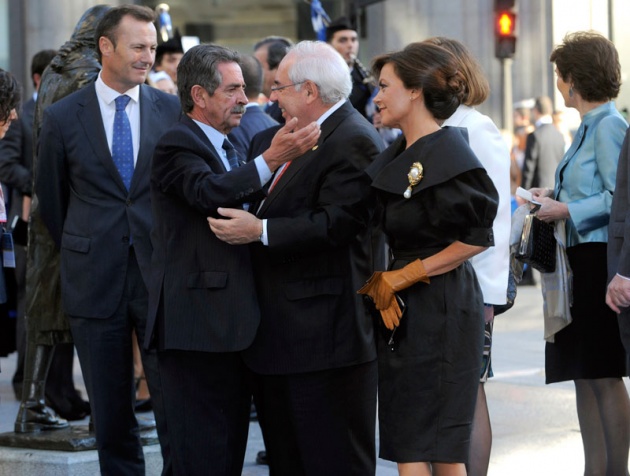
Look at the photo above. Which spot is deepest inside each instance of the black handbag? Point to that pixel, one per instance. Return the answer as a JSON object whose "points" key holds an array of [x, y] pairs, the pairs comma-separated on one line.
{"points": [[538, 244], [392, 337]]}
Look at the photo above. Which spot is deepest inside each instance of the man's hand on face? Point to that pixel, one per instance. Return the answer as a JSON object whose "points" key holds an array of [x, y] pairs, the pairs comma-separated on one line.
{"points": [[289, 143]]}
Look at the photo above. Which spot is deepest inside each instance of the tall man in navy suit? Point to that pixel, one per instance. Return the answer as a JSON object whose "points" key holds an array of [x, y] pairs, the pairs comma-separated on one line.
{"points": [[93, 188], [254, 120], [203, 310], [314, 352]]}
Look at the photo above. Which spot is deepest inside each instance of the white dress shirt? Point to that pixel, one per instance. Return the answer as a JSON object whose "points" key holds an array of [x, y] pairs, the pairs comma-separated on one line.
{"points": [[106, 100]]}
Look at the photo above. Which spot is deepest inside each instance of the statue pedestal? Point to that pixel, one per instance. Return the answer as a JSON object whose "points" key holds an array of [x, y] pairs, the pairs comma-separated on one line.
{"points": [[67, 452], [28, 462]]}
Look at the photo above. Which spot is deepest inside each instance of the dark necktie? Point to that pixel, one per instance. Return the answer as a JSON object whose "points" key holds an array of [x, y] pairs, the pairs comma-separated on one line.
{"points": [[231, 154], [122, 145]]}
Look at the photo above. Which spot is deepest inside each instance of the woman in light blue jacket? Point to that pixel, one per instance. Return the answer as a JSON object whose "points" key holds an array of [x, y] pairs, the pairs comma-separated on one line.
{"points": [[589, 350]]}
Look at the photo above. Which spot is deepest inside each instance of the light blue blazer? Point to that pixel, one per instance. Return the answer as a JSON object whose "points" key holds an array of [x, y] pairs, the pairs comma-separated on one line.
{"points": [[585, 178]]}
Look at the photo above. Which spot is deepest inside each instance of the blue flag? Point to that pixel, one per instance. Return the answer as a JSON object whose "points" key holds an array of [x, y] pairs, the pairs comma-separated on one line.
{"points": [[320, 19], [165, 24]]}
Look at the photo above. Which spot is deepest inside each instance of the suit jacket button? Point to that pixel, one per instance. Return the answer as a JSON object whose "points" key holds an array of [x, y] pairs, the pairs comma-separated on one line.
{"points": [[125, 239], [128, 202]]}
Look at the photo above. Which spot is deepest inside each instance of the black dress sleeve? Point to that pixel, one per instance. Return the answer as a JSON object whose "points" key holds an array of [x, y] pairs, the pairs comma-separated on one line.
{"points": [[467, 204]]}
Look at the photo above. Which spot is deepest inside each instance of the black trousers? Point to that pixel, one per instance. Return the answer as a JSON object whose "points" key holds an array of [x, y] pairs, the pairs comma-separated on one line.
{"points": [[319, 423], [104, 347], [207, 398]]}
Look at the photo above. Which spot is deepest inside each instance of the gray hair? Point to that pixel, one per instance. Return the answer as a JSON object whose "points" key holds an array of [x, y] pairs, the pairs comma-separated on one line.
{"points": [[199, 66], [320, 63]]}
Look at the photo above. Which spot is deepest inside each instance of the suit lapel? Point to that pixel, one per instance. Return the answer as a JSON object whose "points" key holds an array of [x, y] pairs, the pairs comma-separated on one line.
{"points": [[328, 126], [95, 132], [149, 121], [293, 170], [215, 162]]}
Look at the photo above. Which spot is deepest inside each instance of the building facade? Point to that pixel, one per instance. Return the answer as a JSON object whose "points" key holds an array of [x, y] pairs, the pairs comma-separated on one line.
{"points": [[27, 26]]}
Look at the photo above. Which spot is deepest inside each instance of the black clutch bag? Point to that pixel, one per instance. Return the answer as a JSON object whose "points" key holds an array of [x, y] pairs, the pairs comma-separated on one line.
{"points": [[391, 337], [538, 245], [19, 230]]}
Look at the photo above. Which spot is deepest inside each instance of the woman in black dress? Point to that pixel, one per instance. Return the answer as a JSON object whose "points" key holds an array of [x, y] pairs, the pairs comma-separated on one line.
{"points": [[437, 208]]}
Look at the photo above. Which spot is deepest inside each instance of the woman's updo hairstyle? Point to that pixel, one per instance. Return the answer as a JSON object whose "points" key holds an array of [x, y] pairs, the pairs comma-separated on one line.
{"points": [[431, 69]]}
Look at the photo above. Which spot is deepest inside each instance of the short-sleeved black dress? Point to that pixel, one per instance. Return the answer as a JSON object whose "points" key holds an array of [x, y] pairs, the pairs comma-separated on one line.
{"points": [[429, 370]]}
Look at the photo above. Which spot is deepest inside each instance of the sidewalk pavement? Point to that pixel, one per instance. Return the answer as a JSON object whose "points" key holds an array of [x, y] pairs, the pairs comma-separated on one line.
{"points": [[535, 426]]}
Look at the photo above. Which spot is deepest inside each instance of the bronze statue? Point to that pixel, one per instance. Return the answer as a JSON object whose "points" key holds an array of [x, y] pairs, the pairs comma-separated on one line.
{"points": [[74, 67]]}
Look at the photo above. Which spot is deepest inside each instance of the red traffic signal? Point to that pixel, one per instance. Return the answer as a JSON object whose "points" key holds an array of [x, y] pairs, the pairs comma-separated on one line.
{"points": [[505, 34], [506, 23]]}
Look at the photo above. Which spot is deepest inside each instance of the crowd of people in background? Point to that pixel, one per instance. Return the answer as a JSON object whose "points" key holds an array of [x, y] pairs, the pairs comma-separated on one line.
{"points": [[290, 228]]}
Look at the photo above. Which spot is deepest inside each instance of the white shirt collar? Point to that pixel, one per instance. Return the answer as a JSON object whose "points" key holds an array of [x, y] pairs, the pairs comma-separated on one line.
{"points": [[214, 136], [330, 111], [108, 95]]}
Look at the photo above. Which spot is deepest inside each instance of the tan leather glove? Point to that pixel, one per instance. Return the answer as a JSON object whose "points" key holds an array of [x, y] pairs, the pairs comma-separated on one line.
{"points": [[382, 286], [391, 316]]}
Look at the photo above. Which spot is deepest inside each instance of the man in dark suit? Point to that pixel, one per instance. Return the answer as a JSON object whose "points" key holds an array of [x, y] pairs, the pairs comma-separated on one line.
{"points": [[544, 148], [92, 180], [254, 120], [618, 293], [203, 310], [314, 353]]}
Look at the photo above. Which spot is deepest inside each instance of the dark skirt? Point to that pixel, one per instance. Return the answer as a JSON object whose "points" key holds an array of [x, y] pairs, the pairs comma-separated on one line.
{"points": [[429, 374], [589, 347]]}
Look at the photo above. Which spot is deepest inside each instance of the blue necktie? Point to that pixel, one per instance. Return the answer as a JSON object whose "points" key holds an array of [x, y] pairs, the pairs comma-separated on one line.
{"points": [[231, 154], [122, 145]]}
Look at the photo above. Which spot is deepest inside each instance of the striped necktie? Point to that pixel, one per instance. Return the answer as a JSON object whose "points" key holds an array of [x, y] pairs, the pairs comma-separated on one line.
{"points": [[231, 154]]}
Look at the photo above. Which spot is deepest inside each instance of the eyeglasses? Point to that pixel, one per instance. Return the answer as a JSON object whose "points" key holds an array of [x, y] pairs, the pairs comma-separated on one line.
{"points": [[275, 89]]}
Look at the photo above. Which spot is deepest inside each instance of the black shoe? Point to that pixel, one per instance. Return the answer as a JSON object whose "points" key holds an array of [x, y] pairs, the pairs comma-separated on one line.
{"points": [[76, 400], [144, 405], [261, 458], [71, 410]]}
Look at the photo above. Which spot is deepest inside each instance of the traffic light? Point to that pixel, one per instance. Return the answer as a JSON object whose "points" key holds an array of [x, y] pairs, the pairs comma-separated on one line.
{"points": [[505, 28]]}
